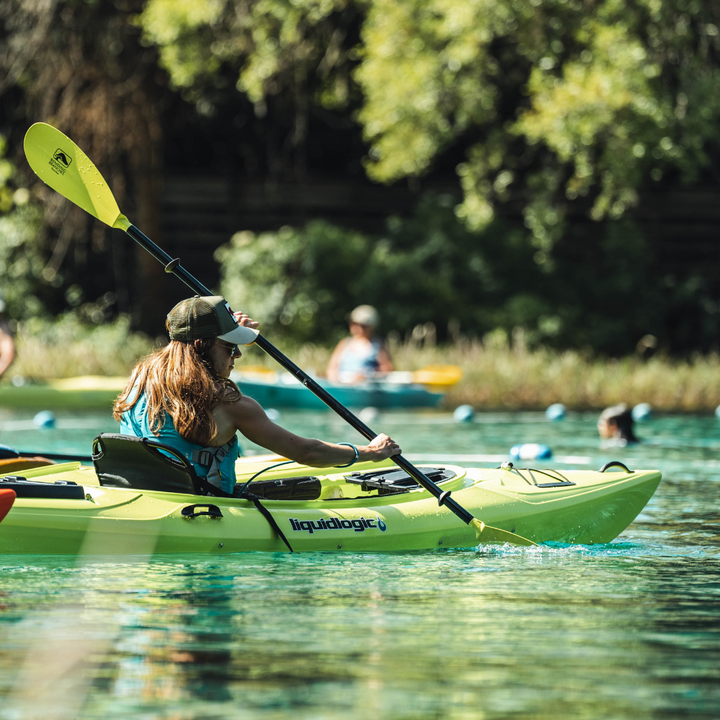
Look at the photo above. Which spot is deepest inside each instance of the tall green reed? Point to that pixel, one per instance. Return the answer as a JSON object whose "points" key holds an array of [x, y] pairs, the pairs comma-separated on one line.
{"points": [[497, 374]]}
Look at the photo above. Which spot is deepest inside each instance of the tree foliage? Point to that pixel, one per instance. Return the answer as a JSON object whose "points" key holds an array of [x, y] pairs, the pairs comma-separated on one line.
{"points": [[552, 100], [287, 58], [272, 43], [22, 242], [544, 109], [77, 64], [603, 293], [544, 103]]}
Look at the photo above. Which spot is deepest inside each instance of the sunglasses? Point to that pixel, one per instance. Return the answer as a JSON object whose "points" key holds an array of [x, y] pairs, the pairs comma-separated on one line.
{"points": [[232, 348]]}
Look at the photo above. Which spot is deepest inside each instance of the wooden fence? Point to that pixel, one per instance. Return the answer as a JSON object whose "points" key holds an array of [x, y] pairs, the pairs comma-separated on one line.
{"points": [[201, 213]]}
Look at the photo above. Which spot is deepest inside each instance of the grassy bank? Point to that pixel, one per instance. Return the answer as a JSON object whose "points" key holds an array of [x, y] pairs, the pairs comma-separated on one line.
{"points": [[495, 376], [68, 348]]}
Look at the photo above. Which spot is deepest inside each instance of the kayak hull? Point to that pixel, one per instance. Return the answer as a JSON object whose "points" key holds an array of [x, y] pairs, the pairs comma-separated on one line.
{"points": [[592, 507], [287, 392]]}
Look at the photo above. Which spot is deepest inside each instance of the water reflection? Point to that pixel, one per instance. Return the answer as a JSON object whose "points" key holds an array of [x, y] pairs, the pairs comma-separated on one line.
{"points": [[628, 629]]}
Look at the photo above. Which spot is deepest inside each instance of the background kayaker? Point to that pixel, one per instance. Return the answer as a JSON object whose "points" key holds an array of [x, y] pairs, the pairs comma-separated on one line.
{"points": [[7, 343], [182, 396], [362, 355], [615, 426]]}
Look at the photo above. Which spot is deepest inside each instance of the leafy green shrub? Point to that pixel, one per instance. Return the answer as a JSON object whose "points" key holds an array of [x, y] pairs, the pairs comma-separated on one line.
{"points": [[599, 290], [21, 244], [297, 282]]}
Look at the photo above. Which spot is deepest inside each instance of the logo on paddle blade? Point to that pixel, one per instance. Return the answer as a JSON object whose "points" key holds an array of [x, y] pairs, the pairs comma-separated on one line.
{"points": [[357, 525], [60, 161], [230, 312]]}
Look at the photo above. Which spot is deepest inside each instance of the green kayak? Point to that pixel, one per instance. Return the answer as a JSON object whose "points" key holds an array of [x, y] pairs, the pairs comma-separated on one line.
{"points": [[90, 391], [64, 509]]}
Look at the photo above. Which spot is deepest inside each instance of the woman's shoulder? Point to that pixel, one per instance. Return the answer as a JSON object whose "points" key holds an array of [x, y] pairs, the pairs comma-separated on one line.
{"points": [[240, 404]]}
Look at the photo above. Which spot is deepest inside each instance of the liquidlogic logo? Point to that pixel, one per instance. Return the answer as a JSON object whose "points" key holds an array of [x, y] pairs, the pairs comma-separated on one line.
{"points": [[60, 161], [358, 525]]}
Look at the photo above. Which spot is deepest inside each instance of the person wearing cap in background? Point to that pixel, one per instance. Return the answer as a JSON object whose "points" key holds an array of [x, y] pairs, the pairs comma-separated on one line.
{"points": [[7, 343], [182, 396], [615, 426], [360, 356]]}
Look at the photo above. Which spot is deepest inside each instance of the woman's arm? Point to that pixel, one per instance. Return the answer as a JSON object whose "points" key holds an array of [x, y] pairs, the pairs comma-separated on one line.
{"points": [[334, 363], [250, 419], [384, 362]]}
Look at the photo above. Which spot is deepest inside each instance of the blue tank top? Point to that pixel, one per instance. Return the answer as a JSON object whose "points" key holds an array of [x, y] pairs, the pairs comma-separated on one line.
{"points": [[215, 464], [352, 362]]}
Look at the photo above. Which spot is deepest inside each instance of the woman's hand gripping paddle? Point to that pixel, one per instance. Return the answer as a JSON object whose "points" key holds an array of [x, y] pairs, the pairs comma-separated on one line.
{"points": [[62, 165]]}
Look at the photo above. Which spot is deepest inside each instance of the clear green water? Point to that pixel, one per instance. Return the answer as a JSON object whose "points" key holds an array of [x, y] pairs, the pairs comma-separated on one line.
{"points": [[625, 630]]}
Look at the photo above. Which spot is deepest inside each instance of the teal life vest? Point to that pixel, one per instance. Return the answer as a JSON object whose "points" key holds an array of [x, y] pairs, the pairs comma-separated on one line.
{"points": [[215, 464]]}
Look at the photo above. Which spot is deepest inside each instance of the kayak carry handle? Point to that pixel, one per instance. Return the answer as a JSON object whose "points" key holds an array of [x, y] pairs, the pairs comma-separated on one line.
{"points": [[191, 511], [615, 463]]}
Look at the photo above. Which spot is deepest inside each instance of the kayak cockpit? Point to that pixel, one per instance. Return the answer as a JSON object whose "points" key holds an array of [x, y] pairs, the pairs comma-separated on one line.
{"points": [[395, 481]]}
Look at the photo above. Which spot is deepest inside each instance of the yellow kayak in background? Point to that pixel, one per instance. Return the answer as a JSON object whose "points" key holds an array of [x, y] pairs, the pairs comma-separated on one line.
{"points": [[422, 388], [90, 391]]}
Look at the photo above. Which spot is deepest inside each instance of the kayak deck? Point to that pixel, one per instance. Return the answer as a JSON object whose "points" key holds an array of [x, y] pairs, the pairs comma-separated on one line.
{"points": [[582, 507]]}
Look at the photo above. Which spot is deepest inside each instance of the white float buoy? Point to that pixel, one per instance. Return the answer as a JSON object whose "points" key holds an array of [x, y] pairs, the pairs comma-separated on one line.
{"points": [[555, 412], [272, 414], [530, 451], [368, 414], [44, 419], [463, 413], [642, 411]]}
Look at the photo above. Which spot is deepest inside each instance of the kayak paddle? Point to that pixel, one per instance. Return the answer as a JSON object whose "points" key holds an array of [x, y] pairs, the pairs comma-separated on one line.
{"points": [[62, 165]]}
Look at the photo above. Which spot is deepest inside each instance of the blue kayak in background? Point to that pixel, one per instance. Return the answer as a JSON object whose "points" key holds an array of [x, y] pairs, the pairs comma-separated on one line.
{"points": [[282, 390]]}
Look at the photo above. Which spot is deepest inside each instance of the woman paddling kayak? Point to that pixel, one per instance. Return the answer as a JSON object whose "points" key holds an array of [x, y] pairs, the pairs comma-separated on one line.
{"points": [[182, 396]]}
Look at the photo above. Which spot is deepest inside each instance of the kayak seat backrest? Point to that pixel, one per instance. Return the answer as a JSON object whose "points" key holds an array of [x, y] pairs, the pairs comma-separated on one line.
{"points": [[125, 461]]}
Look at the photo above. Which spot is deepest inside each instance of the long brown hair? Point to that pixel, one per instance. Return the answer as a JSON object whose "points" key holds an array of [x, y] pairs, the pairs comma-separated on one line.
{"points": [[179, 380]]}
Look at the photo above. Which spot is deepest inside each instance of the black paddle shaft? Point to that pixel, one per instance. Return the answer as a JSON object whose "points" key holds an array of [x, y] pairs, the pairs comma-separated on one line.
{"points": [[172, 265]]}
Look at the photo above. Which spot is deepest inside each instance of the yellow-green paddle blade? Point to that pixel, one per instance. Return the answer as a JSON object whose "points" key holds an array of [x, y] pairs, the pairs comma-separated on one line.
{"points": [[492, 535], [62, 165]]}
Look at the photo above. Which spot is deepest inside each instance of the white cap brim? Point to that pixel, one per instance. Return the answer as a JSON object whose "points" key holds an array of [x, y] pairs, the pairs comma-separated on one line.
{"points": [[241, 335]]}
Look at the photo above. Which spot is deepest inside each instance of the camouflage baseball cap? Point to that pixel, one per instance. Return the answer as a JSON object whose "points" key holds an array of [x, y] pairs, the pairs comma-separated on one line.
{"points": [[204, 317]]}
